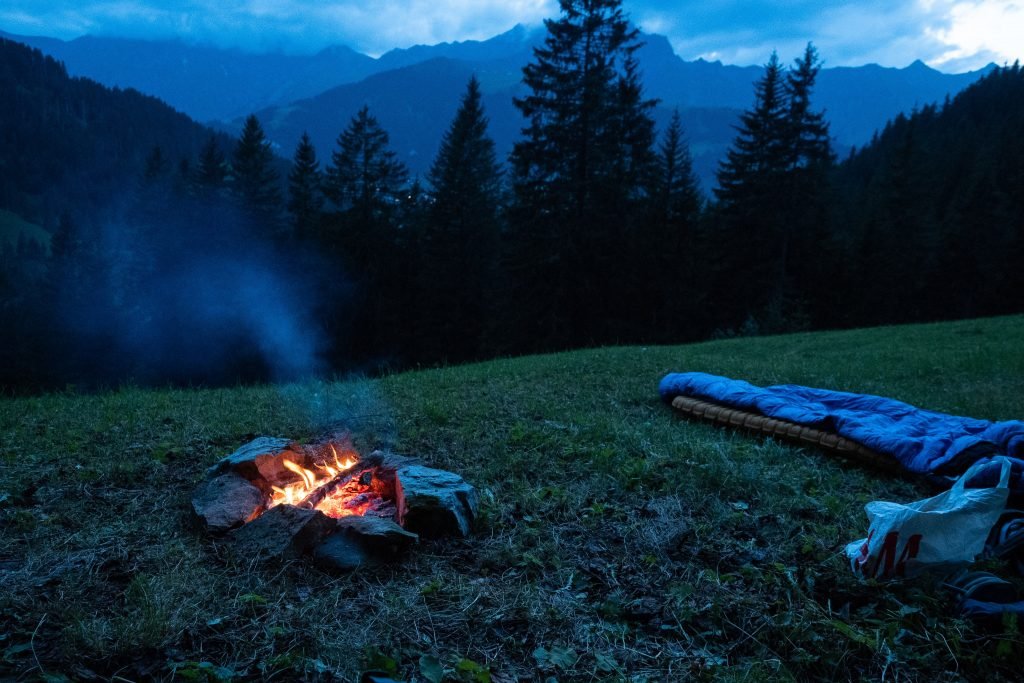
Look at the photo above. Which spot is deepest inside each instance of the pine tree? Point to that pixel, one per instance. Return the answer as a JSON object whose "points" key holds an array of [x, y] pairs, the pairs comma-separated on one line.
{"points": [[364, 174], [670, 241], [577, 175], [459, 240], [256, 183], [211, 174], [366, 182], [676, 192], [810, 144], [757, 200], [808, 255], [156, 165], [305, 191], [759, 156]]}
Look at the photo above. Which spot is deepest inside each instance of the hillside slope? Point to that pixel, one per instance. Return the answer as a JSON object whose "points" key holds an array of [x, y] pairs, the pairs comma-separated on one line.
{"points": [[614, 540], [71, 144]]}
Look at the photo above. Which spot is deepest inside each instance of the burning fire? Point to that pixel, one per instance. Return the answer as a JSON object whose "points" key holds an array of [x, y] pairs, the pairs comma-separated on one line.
{"points": [[309, 481]]}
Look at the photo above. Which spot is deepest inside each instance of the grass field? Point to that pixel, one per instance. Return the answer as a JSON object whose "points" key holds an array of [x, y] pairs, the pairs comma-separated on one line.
{"points": [[616, 542]]}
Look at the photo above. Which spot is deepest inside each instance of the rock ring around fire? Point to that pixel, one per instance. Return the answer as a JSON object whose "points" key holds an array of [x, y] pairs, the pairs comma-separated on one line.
{"points": [[275, 499]]}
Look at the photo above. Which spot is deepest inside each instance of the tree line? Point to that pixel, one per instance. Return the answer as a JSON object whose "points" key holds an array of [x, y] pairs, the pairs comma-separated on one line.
{"points": [[595, 231]]}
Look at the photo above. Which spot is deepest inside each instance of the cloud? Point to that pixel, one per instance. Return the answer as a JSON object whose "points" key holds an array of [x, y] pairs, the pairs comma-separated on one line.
{"points": [[981, 31], [951, 34], [954, 35], [292, 25]]}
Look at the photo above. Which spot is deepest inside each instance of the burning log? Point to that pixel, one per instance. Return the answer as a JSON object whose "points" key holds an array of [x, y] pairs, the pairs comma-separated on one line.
{"points": [[317, 495]]}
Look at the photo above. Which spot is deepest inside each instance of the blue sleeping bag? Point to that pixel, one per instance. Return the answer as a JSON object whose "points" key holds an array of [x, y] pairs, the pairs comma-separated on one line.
{"points": [[922, 441]]}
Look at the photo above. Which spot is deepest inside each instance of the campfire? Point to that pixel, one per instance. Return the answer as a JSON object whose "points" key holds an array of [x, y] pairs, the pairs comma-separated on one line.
{"points": [[277, 499], [337, 489]]}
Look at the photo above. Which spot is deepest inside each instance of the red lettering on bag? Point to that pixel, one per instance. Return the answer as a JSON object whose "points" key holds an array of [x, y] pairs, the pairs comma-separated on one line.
{"points": [[891, 566]]}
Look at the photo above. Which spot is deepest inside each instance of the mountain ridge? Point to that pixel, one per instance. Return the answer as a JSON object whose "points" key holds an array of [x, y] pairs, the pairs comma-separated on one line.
{"points": [[320, 92]]}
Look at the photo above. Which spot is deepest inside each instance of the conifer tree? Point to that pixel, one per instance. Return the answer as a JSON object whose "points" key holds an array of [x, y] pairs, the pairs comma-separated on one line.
{"points": [[668, 243], [810, 144], [760, 200], [459, 240], [577, 175], [808, 256], [676, 192], [364, 174], [305, 191], [256, 183], [212, 171], [748, 177], [365, 181], [156, 165]]}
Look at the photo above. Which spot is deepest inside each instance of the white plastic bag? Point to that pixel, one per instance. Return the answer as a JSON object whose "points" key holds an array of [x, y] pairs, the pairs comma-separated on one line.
{"points": [[943, 531]]}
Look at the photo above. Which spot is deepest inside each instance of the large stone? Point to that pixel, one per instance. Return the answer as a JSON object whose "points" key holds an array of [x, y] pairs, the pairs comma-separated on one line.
{"points": [[282, 532], [227, 501], [434, 503], [340, 552], [389, 460], [264, 458], [380, 536], [362, 540]]}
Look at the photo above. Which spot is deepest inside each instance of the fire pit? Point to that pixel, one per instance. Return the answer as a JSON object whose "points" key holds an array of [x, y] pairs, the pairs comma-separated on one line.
{"points": [[275, 499]]}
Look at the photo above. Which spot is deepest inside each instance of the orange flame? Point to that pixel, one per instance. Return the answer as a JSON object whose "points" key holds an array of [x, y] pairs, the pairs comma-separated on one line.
{"points": [[309, 480]]}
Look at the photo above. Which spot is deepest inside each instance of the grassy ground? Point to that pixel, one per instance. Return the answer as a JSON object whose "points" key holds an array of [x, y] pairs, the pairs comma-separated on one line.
{"points": [[616, 541]]}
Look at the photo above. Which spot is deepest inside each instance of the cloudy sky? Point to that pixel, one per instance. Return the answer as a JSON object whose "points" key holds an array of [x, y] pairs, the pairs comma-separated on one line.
{"points": [[951, 35]]}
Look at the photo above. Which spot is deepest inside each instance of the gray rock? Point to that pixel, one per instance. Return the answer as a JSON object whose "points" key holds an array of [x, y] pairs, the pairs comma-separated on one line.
{"points": [[362, 541], [264, 458], [340, 552], [389, 460], [282, 532], [226, 502], [380, 536], [433, 502]]}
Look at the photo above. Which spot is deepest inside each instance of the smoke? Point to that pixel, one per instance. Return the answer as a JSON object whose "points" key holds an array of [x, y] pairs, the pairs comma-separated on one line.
{"points": [[229, 313], [354, 407], [192, 296]]}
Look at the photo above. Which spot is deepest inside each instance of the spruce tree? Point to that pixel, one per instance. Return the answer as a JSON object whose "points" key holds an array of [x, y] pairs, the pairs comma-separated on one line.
{"points": [[754, 207], [365, 181], [305, 191], [156, 165], [759, 155], [256, 183], [810, 144], [459, 240], [808, 255], [670, 242], [364, 174], [577, 175], [676, 193], [212, 171]]}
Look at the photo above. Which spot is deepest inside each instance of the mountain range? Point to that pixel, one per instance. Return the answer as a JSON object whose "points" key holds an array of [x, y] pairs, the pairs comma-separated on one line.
{"points": [[414, 92]]}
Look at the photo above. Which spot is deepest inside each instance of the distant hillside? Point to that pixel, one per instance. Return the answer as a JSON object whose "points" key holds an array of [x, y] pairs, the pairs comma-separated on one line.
{"points": [[15, 230], [207, 83], [73, 144], [934, 207], [858, 100]]}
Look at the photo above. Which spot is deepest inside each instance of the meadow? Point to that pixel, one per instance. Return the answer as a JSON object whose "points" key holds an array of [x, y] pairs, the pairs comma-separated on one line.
{"points": [[615, 541]]}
